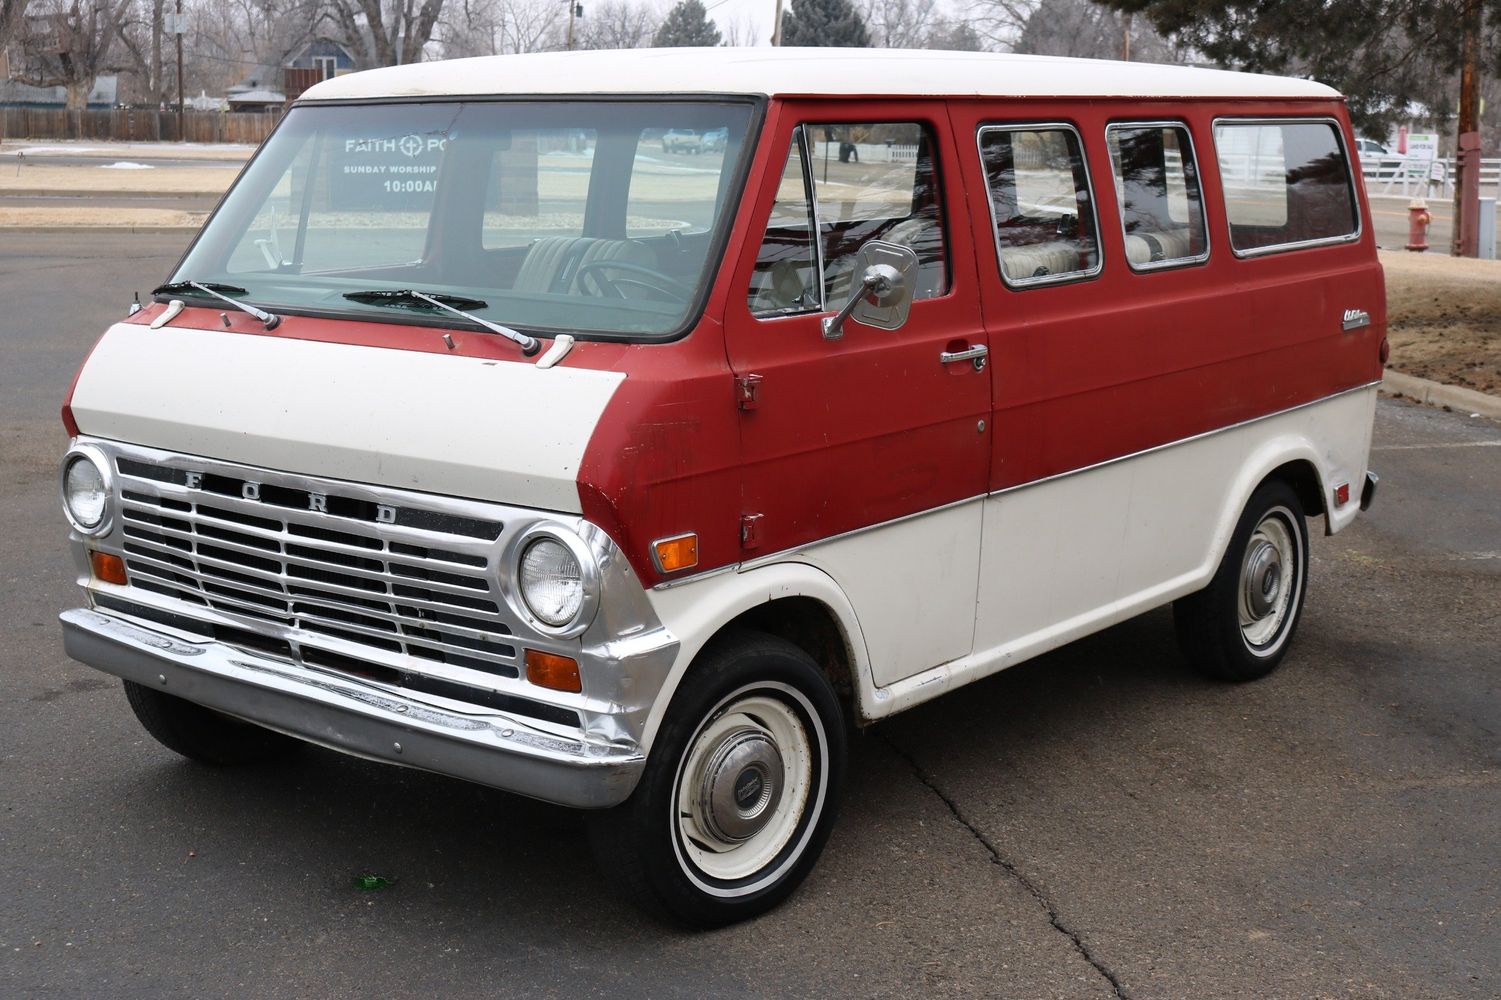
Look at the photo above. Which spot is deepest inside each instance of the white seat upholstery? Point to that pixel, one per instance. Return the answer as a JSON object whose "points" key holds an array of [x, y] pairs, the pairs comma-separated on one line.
{"points": [[552, 263], [1039, 260], [1146, 248]]}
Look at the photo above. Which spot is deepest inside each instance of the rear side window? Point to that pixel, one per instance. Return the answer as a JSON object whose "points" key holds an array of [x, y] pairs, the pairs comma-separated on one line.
{"points": [[1287, 184], [870, 181], [1041, 204], [1157, 189]]}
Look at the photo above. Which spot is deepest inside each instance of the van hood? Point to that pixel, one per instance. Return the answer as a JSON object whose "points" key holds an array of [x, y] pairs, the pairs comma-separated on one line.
{"points": [[459, 426]]}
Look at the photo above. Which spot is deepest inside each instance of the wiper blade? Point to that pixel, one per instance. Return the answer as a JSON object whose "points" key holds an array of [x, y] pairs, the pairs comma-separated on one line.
{"points": [[406, 298], [179, 287], [221, 292]]}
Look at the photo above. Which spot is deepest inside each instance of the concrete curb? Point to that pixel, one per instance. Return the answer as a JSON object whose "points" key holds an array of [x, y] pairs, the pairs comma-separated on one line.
{"points": [[1437, 394]]}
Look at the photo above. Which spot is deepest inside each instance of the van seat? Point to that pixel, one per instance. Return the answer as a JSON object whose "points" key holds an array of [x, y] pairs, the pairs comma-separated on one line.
{"points": [[1039, 259], [1147, 247], [552, 262]]}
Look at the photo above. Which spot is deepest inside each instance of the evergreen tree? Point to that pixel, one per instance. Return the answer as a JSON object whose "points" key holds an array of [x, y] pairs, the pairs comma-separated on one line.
{"points": [[1386, 55], [824, 23], [686, 24]]}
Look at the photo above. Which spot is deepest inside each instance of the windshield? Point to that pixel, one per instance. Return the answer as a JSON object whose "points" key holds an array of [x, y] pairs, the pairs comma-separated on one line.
{"points": [[554, 216]]}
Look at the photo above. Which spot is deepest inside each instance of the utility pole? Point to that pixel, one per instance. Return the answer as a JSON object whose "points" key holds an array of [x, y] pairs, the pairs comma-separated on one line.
{"points": [[776, 27], [177, 31], [1466, 240], [572, 9]]}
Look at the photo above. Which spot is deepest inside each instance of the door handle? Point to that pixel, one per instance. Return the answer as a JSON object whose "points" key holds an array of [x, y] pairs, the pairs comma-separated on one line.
{"points": [[975, 354]]}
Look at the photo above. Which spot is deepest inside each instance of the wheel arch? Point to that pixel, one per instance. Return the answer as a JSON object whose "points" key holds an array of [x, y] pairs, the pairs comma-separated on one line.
{"points": [[794, 601], [1291, 458]]}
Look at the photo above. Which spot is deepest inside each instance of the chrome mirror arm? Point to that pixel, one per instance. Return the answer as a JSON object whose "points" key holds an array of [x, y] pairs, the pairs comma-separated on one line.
{"points": [[878, 279]]}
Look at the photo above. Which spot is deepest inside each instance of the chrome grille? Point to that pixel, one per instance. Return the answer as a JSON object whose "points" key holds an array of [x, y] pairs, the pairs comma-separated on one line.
{"points": [[324, 559]]}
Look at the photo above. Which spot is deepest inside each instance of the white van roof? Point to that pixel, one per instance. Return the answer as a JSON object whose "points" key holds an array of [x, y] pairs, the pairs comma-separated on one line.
{"points": [[805, 72]]}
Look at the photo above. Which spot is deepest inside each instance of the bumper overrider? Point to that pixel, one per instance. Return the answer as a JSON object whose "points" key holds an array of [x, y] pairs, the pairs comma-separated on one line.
{"points": [[377, 622]]}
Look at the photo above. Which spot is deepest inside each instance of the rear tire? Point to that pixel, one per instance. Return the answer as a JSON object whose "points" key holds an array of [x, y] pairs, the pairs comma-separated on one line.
{"points": [[1239, 627], [202, 734], [739, 792]]}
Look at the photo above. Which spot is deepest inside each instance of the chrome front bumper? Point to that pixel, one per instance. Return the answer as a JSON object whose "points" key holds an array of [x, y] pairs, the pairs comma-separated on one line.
{"points": [[346, 714]]}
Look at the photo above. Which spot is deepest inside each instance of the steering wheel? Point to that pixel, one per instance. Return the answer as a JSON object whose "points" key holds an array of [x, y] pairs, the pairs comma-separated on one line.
{"points": [[644, 277]]}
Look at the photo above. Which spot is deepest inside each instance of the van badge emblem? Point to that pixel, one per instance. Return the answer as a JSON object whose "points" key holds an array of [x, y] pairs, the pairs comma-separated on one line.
{"points": [[192, 480], [317, 502], [384, 514], [1356, 318], [250, 491]]}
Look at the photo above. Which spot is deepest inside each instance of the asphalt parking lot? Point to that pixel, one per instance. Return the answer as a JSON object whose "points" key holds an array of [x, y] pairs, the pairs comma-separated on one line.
{"points": [[1095, 823]]}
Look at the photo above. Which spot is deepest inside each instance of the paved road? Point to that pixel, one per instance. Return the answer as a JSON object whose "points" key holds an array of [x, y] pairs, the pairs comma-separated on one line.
{"points": [[1096, 823], [1390, 218]]}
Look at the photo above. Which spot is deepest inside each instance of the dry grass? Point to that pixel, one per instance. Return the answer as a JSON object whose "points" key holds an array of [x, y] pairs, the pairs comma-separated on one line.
{"points": [[1444, 318], [69, 216], [90, 178]]}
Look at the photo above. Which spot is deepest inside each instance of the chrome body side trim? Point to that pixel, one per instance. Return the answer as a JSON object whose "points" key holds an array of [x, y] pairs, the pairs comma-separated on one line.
{"points": [[353, 716], [1339, 138], [782, 554]]}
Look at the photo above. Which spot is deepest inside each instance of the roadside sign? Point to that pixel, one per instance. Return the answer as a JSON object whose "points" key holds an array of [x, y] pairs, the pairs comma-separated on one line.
{"points": [[1422, 145]]}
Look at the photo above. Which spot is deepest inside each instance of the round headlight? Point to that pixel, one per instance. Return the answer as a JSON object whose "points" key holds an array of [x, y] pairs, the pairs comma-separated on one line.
{"points": [[552, 582], [84, 492]]}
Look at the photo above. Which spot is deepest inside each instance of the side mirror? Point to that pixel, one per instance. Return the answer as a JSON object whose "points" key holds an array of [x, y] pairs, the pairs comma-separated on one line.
{"points": [[882, 296]]}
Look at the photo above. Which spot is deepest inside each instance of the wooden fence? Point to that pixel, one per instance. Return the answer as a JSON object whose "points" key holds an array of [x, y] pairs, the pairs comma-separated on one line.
{"points": [[137, 126]]}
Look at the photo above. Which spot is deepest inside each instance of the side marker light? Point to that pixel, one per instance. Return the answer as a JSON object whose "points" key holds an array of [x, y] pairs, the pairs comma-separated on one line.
{"points": [[676, 553], [1341, 494]]}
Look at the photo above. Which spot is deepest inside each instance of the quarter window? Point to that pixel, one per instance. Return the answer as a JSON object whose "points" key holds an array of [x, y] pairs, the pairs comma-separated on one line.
{"points": [[1286, 184], [869, 182], [1157, 190], [1040, 203]]}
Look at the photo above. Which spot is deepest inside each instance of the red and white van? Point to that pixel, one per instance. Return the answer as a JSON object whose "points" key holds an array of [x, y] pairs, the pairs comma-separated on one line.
{"points": [[480, 433]]}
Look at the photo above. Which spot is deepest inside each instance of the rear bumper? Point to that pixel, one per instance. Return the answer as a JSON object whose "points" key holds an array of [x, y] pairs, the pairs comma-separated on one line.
{"points": [[343, 713]]}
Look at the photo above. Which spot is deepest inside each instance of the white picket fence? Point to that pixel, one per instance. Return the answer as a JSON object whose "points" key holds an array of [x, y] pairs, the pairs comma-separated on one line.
{"points": [[1398, 175]]}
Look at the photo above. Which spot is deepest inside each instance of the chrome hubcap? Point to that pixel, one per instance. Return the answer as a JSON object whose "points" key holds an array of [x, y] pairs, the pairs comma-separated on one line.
{"points": [[1262, 579], [739, 786], [1268, 581]]}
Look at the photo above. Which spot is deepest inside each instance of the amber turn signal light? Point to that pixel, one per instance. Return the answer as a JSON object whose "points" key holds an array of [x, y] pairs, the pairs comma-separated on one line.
{"points": [[675, 553], [549, 670], [107, 568]]}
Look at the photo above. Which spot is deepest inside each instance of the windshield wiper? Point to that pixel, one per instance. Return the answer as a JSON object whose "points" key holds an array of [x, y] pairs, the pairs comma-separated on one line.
{"points": [[221, 292], [408, 298]]}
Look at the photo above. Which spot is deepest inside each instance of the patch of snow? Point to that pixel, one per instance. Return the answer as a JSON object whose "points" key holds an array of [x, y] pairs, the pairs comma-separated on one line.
{"points": [[126, 165]]}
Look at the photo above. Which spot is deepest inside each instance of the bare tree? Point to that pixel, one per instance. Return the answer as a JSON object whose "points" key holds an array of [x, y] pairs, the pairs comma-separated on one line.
{"points": [[1090, 30], [386, 32], [11, 12], [70, 44], [740, 31], [616, 24], [999, 22], [898, 24]]}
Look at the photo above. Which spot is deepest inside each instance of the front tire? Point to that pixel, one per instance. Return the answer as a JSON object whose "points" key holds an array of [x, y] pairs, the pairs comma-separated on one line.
{"points": [[1239, 627], [200, 733], [740, 790]]}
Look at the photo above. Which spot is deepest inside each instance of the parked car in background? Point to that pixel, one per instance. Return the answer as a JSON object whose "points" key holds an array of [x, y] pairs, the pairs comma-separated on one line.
{"points": [[632, 501], [713, 141], [1370, 148], [680, 140]]}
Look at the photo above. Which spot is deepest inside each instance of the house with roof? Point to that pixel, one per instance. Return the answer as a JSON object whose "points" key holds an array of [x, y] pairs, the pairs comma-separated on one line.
{"points": [[271, 85]]}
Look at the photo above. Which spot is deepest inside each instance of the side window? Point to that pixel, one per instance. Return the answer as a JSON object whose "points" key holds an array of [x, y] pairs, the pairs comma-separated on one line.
{"points": [[786, 277], [1286, 184], [1157, 188], [870, 182], [1040, 203], [876, 182]]}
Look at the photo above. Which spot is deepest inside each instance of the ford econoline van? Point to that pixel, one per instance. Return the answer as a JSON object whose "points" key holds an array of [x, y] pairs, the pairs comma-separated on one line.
{"points": [[487, 430]]}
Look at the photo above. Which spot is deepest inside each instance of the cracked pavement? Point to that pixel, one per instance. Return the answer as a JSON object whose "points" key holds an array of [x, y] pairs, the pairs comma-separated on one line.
{"points": [[1095, 823]]}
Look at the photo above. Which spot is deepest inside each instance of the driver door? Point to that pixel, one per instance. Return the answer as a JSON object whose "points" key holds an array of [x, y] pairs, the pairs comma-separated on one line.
{"points": [[867, 455]]}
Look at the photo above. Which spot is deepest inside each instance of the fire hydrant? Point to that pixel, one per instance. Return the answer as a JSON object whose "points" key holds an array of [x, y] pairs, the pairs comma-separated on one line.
{"points": [[1417, 225]]}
